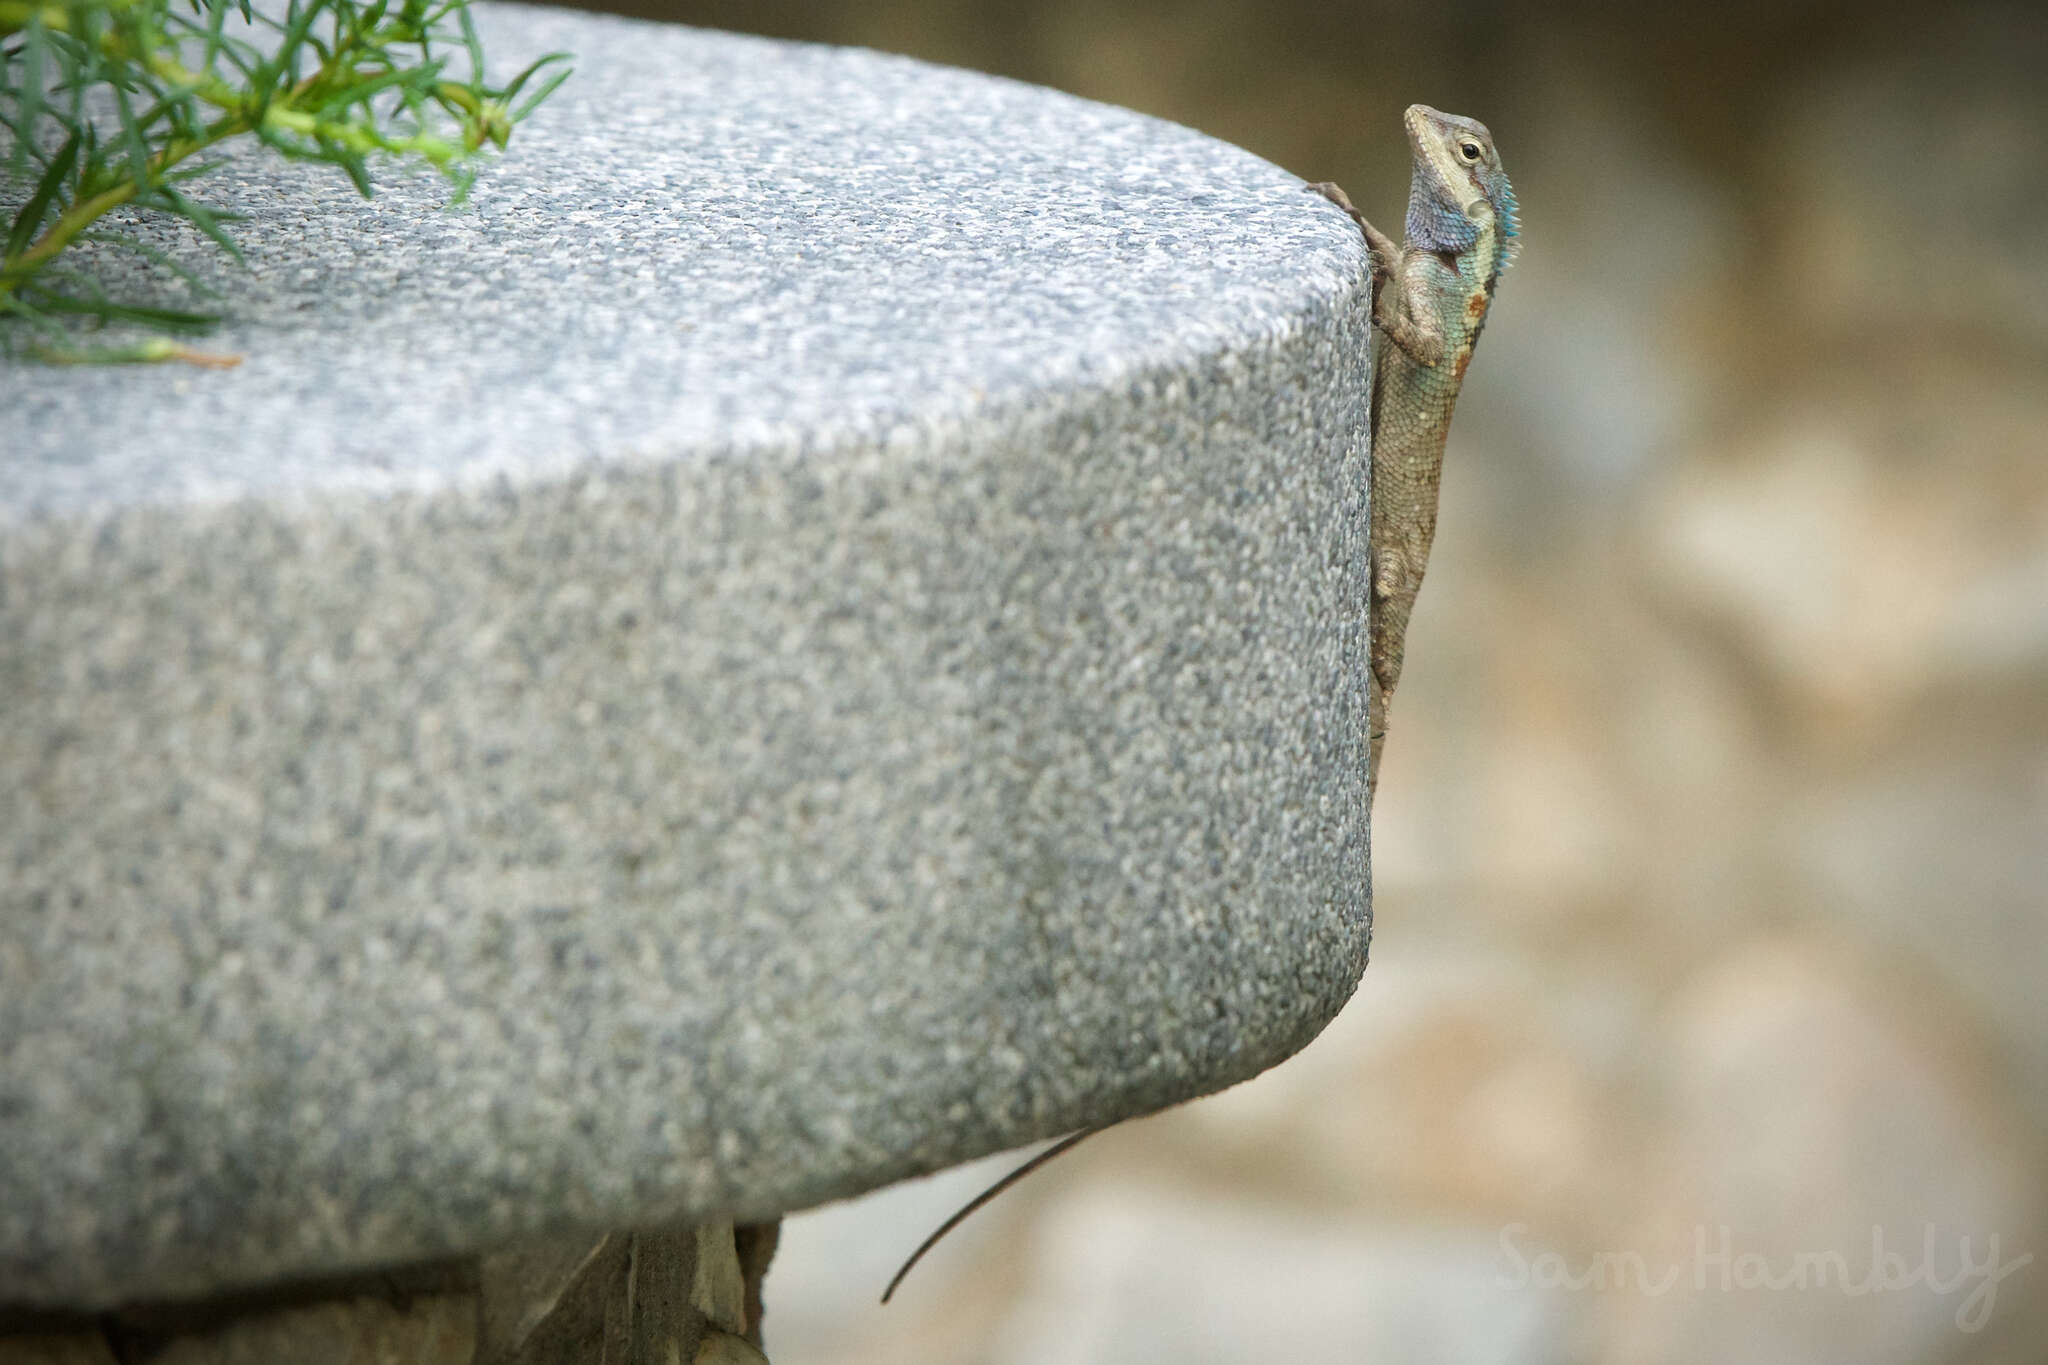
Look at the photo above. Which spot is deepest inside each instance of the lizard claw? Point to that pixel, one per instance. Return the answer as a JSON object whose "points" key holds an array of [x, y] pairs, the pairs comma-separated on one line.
{"points": [[1333, 192]]}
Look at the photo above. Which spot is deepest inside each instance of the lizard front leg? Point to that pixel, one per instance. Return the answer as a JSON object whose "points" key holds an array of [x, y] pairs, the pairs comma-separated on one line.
{"points": [[1392, 314], [1406, 314], [1384, 252]]}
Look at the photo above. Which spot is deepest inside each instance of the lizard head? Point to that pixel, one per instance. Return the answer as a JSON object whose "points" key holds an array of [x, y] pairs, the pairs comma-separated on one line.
{"points": [[1458, 179]]}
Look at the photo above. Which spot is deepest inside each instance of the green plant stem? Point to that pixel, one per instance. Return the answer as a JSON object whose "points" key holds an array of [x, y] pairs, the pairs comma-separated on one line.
{"points": [[85, 212], [379, 83], [278, 113], [14, 16]]}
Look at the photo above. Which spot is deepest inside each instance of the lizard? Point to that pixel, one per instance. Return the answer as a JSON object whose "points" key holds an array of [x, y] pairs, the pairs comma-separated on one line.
{"points": [[1430, 300]]}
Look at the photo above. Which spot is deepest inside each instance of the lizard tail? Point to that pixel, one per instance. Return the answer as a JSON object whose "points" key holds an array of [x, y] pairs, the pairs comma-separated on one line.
{"points": [[1064, 1144]]}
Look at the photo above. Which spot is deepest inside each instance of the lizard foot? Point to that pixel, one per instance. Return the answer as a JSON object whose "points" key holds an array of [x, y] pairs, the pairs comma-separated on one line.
{"points": [[1334, 192]]}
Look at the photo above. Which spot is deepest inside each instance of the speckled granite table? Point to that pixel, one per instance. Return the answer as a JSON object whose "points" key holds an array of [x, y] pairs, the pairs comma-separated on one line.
{"points": [[812, 633]]}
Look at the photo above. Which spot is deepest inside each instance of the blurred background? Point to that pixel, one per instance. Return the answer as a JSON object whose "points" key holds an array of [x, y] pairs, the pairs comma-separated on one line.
{"points": [[1707, 1018]]}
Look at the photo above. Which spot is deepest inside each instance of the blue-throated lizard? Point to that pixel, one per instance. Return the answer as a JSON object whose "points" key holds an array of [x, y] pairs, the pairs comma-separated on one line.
{"points": [[1430, 299]]}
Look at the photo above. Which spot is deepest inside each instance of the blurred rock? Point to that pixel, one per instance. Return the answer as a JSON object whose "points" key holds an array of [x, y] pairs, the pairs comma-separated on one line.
{"points": [[1580, 387], [1911, 183], [1128, 1275], [1456, 1083], [1943, 853], [1834, 1185], [1820, 566], [1496, 770], [1855, 560]]}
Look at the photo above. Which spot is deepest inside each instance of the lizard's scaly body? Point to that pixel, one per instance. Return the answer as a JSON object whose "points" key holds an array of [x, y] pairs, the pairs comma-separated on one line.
{"points": [[1429, 302], [1429, 306]]}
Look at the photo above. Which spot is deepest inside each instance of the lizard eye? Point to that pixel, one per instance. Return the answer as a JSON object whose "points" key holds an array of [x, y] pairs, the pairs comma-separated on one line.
{"points": [[1469, 150]]}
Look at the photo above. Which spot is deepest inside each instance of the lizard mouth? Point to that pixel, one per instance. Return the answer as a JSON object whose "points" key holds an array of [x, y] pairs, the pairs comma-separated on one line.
{"points": [[1419, 118]]}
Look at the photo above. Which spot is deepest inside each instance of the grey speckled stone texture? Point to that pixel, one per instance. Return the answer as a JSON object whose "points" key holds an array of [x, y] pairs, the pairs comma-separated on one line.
{"points": [[812, 633]]}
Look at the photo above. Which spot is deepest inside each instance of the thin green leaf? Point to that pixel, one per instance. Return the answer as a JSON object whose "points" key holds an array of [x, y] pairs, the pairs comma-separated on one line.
{"points": [[286, 64], [552, 84], [512, 87], [205, 219], [108, 310], [160, 259], [370, 89], [82, 59], [23, 230], [26, 314], [187, 117], [474, 45], [358, 170], [243, 57], [86, 294], [161, 111], [192, 170], [216, 33], [30, 101], [132, 137]]}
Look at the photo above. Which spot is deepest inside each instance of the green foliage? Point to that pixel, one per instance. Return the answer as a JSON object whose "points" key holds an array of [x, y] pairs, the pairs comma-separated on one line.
{"points": [[107, 103]]}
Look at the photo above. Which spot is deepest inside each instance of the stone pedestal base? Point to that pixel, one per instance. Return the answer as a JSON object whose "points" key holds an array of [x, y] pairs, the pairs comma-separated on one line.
{"points": [[652, 1297]]}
